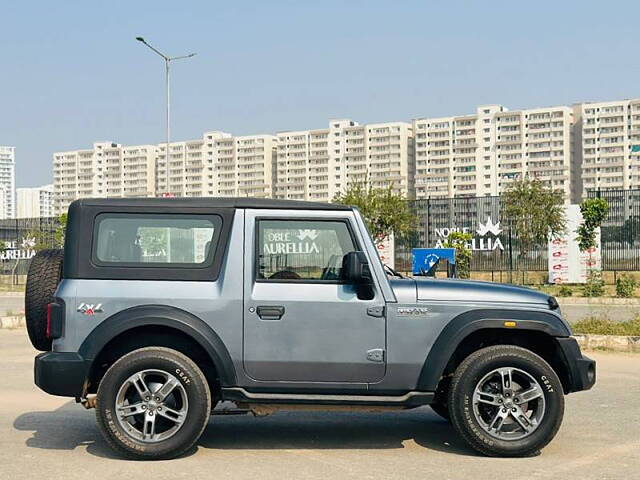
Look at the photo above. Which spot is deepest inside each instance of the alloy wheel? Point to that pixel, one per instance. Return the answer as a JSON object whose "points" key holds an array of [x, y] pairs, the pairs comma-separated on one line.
{"points": [[151, 405], [508, 403]]}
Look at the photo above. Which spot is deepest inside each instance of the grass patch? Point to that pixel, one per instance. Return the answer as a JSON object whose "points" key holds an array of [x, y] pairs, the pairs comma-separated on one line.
{"points": [[577, 290], [604, 326]]}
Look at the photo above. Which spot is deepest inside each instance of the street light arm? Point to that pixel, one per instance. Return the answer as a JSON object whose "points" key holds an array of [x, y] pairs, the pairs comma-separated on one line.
{"points": [[181, 57], [142, 40]]}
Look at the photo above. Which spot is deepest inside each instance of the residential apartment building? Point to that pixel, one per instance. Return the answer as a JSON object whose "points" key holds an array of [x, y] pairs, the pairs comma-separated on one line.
{"points": [[482, 154], [456, 156], [8, 182], [574, 149], [34, 202], [108, 170], [218, 165], [538, 143], [244, 166], [610, 145], [319, 164], [215, 165], [3, 205], [308, 162]]}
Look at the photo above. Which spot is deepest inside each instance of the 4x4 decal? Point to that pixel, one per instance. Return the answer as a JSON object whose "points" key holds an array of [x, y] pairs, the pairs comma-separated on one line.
{"points": [[90, 308]]}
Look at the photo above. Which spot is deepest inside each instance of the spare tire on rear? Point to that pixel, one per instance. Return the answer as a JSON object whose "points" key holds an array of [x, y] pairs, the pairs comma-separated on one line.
{"points": [[43, 277]]}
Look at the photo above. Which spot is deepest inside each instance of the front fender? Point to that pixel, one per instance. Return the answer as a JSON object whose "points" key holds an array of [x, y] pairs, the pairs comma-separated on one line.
{"points": [[161, 315], [466, 323]]}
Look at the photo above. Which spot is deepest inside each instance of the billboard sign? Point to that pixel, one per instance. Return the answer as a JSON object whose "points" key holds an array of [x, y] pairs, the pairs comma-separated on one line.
{"points": [[567, 264]]}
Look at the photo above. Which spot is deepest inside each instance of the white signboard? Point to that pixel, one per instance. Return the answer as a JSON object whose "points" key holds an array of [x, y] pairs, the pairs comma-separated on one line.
{"points": [[385, 248], [567, 264], [14, 250], [484, 239]]}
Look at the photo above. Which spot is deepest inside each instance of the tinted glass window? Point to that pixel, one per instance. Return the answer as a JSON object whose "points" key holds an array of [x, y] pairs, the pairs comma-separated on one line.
{"points": [[302, 250], [156, 240]]}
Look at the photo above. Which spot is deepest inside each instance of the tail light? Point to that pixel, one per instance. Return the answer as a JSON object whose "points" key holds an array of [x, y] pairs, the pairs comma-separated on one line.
{"points": [[49, 308], [55, 319]]}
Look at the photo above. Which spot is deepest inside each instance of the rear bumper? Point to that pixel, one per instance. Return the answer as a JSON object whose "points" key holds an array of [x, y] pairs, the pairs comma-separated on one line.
{"points": [[61, 373], [582, 370]]}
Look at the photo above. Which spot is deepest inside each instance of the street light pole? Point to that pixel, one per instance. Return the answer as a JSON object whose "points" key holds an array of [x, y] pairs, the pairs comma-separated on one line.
{"points": [[167, 63]]}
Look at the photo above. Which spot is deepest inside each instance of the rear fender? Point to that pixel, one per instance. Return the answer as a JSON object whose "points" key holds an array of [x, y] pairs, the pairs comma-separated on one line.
{"points": [[160, 315]]}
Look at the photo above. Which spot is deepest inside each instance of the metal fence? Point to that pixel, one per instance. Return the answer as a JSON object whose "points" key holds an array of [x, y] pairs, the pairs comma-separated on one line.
{"points": [[480, 216], [620, 232], [19, 239], [495, 247]]}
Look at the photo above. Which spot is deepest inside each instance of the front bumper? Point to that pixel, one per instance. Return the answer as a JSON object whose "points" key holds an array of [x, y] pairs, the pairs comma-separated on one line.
{"points": [[582, 370], [61, 373]]}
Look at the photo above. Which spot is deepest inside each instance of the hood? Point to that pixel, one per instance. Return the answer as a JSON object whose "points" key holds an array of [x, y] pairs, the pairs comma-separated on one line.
{"points": [[452, 289]]}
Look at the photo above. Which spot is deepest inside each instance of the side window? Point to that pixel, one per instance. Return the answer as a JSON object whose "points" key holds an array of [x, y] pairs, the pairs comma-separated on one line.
{"points": [[155, 240], [302, 249]]}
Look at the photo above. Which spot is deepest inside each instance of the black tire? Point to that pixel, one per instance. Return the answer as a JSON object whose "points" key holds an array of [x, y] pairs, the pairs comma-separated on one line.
{"points": [[442, 410], [191, 380], [474, 369], [43, 278]]}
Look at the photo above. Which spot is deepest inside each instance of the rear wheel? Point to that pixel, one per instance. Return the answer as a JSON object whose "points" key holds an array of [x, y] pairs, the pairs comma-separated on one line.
{"points": [[153, 403], [43, 277], [506, 401]]}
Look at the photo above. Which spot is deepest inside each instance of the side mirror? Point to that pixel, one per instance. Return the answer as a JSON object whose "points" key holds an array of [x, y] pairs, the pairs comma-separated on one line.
{"points": [[355, 268]]}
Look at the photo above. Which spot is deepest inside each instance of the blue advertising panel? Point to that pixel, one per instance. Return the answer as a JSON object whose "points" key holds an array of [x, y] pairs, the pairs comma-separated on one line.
{"points": [[425, 258]]}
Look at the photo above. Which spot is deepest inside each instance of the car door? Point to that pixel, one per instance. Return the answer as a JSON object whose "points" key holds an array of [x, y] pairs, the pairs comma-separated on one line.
{"points": [[302, 323]]}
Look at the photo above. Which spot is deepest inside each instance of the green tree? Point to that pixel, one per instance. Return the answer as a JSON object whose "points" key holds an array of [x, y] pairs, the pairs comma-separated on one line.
{"points": [[384, 211], [60, 231], [50, 239], [594, 211], [533, 213], [460, 241]]}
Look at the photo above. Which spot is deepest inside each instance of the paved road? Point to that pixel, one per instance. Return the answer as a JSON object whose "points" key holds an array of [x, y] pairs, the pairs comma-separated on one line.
{"points": [[11, 304], [51, 437]]}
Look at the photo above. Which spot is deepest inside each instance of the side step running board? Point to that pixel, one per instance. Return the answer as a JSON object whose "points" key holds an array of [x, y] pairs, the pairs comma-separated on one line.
{"points": [[409, 399]]}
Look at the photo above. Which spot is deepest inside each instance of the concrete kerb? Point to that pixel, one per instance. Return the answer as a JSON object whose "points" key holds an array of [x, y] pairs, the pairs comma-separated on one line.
{"points": [[615, 343], [16, 321], [635, 301]]}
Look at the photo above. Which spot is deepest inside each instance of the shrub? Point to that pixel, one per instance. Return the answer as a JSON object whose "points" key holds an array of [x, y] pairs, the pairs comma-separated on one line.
{"points": [[625, 286], [460, 241], [604, 326], [594, 286], [565, 291]]}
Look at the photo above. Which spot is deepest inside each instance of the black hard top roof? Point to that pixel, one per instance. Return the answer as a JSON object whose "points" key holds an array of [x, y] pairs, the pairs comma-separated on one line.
{"points": [[209, 202]]}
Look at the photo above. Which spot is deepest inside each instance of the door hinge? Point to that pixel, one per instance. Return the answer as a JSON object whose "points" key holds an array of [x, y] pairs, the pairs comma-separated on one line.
{"points": [[376, 355], [375, 311]]}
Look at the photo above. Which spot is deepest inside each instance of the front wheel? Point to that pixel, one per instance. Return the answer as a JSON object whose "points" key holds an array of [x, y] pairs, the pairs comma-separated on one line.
{"points": [[506, 401], [153, 403]]}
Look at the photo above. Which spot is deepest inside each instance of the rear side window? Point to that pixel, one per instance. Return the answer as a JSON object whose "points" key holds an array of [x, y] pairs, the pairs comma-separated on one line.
{"points": [[155, 240]]}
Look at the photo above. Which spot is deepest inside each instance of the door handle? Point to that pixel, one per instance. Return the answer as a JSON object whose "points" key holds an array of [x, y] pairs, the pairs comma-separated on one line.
{"points": [[270, 312]]}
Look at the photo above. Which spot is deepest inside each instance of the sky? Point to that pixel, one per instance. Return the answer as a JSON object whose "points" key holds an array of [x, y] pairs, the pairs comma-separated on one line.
{"points": [[71, 72]]}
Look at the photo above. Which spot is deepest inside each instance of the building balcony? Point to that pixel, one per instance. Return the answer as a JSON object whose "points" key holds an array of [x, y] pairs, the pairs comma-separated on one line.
{"points": [[508, 119]]}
